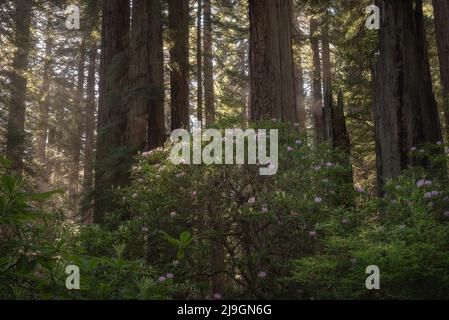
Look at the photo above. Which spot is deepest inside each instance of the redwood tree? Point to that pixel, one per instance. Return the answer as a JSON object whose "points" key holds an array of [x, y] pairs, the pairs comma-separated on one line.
{"points": [[89, 119], [146, 126], [406, 113], [18, 87], [111, 158], [441, 13], [179, 62], [209, 96], [271, 61], [327, 81], [199, 62], [317, 97], [77, 123], [44, 106]]}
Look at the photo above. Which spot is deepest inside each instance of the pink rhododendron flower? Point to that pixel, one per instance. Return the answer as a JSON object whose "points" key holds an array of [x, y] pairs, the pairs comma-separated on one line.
{"points": [[422, 183], [360, 189]]}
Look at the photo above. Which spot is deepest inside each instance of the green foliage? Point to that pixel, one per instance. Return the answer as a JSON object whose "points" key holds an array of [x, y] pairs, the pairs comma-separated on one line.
{"points": [[212, 203], [407, 239], [37, 246], [302, 233]]}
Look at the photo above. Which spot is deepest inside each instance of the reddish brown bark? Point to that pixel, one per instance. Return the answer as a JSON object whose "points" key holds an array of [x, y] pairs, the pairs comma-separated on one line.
{"points": [[271, 61], [317, 97], [111, 158], [179, 63], [441, 12], [406, 114], [16, 121]]}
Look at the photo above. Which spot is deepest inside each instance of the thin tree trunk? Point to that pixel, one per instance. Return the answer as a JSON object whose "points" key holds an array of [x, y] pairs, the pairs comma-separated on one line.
{"points": [[271, 61], [441, 12], [44, 108], [300, 97], [15, 137], [317, 104], [327, 82], [209, 96], [77, 124], [340, 134], [57, 136], [299, 81], [406, 113], [179, 63], [89, 120], [199, 62]]}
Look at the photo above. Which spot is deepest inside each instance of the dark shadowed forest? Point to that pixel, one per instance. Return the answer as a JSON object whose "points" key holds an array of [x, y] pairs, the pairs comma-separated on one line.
{"points": [[346, 195]]}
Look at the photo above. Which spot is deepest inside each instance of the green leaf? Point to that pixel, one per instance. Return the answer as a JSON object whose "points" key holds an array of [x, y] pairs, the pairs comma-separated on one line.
{"points": [[5, 163], [170, 239], [185, 237]]}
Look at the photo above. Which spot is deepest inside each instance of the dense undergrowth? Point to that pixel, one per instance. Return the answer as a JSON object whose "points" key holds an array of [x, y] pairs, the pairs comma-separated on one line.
{"points": [[224, 231]]}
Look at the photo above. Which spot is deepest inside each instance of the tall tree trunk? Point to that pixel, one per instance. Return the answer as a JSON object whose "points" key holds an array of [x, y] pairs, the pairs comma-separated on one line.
{"points": [[179, 63], [89, 119], [209, 96], [199, 62], [340, 133], [156, 118], [299, 80], [56, 136], [406, 113], [271, 61], [77, 124], [441, 13], [327, 81], [146, 123], [44, 107], [300, 97], [317, 104], [112, 158], [340, 141], [15, 138]]}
